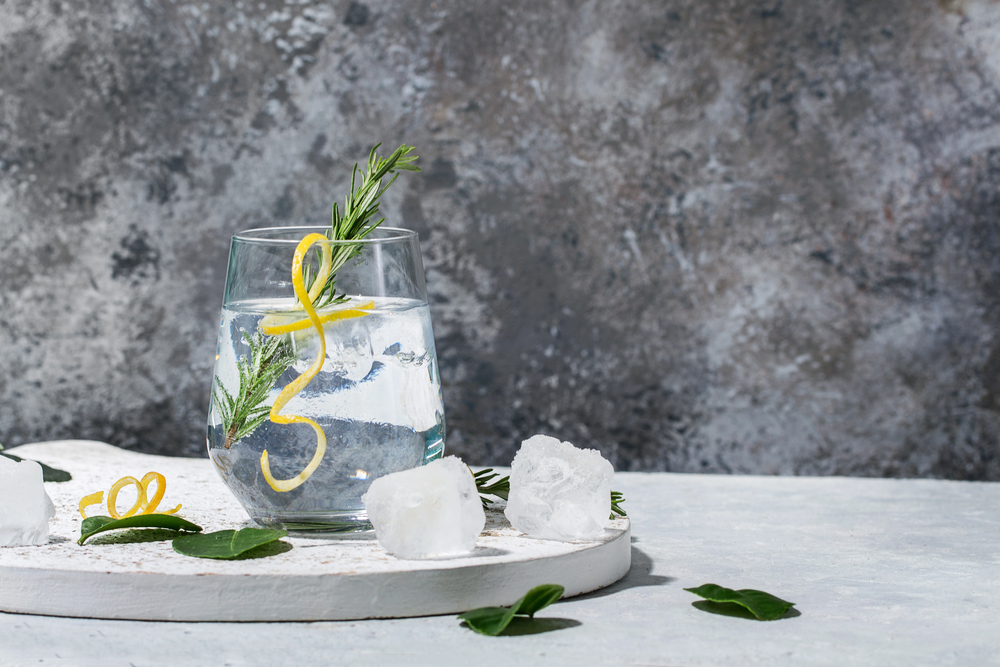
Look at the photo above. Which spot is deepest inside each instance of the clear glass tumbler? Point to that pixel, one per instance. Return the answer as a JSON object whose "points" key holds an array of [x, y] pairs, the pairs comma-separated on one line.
{"points": [[300, 424]]}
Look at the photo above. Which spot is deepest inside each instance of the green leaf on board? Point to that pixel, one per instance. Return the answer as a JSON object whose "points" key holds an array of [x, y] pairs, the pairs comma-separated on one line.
{"points": [[763, 606], [49, 474], [492, 621], [99, 524], [226, 544]]}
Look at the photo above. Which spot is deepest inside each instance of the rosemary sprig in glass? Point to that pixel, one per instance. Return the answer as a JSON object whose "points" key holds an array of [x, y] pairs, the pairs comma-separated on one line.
{"points": [[243, 413], [360, 207], [247, 408]]}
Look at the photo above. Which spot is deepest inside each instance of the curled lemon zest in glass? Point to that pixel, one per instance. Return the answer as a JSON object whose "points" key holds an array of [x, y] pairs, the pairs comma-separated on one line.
{"points": [[143, 504], [274, 329], [276, 324], [299, 383], [92, 499]]}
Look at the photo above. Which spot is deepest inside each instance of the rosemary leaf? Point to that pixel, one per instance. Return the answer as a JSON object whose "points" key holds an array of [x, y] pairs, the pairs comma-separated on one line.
{"points": [[617, 497], [246, 408], [360, 207], [501, 488]]}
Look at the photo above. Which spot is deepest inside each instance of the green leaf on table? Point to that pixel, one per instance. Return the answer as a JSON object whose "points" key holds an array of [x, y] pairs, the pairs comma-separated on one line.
{"points": [[227, 544], [492, 621], [49, 474], [99, 524], [538, 598], [763, 606]]}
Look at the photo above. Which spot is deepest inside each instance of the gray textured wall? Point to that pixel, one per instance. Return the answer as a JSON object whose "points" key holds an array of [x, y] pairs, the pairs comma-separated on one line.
{"points": [[700, 235]]}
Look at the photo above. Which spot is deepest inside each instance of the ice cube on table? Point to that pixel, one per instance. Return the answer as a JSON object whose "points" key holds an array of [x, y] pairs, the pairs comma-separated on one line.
{"points": [[559, 492], [429, 512], [25, 507]]}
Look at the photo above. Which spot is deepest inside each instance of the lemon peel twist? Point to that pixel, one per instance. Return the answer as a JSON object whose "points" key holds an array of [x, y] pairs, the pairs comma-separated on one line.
{"points": [[88, 500], [161, 488], [143, 504], [274, 325], [299, 383], [271, 328], [113, 497]]}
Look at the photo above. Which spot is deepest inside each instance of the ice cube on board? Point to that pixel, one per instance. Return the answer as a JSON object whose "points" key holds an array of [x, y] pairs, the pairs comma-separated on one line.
{"points": [[559, 492], [25, 507], [432, 511]]}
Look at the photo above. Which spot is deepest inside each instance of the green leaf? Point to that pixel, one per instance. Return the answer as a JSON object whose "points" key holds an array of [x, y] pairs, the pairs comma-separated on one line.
{"points": [[48, 474], [491, 621], [764, 606], [538, 598], [99, 524], [226, 544]]}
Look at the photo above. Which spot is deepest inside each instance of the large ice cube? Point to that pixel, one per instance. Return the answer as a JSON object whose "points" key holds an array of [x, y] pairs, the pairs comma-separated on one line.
{"points": [[559, 492], [25, 507], [429, 512]]}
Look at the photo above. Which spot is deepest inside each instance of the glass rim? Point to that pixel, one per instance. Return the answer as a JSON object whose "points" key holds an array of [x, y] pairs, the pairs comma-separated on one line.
{"points": [[378, 236]]}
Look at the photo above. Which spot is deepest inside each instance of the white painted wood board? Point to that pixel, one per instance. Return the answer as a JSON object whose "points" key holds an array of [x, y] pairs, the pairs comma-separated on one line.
{"points": [[318, 579]]}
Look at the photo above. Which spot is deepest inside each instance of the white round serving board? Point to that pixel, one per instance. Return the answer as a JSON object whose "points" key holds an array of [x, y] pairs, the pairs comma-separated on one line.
{"points": [[318, 579]]}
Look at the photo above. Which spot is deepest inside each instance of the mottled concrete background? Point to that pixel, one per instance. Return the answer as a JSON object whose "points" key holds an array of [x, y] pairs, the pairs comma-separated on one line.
{"points": [[701, 235]]}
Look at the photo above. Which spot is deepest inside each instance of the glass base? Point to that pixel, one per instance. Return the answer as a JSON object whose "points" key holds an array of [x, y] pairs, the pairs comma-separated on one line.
{"points": [[323, 525]]}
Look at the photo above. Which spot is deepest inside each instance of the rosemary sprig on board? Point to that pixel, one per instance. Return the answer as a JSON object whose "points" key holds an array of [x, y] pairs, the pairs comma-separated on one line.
{"points": [[247, 407], [616, 498], [501, 488], [360, 208]]}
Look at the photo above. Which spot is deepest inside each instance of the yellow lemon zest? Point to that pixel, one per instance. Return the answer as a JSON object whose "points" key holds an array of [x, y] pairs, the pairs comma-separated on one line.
{"points": [[143, 504], [299, 383], [326, 264], [113, 497], [149, 506], [92, 499], [306, 322]]}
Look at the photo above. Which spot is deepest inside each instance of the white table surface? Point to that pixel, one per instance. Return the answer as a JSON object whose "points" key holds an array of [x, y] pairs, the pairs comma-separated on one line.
{"points": [[884, 572]]}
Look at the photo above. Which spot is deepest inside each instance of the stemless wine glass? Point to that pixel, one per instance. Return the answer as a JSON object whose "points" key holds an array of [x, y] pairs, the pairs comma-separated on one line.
{"points": [[372, 396]]}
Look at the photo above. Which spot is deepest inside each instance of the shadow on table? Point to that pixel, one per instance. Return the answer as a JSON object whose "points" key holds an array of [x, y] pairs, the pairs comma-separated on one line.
{"points": [[265, 550], [134, 536], [640, 574], [522, 625]]}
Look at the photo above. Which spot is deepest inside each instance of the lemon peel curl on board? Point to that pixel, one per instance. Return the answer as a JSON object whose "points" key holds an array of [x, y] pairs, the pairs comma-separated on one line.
{"points": [[143, 504]]}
